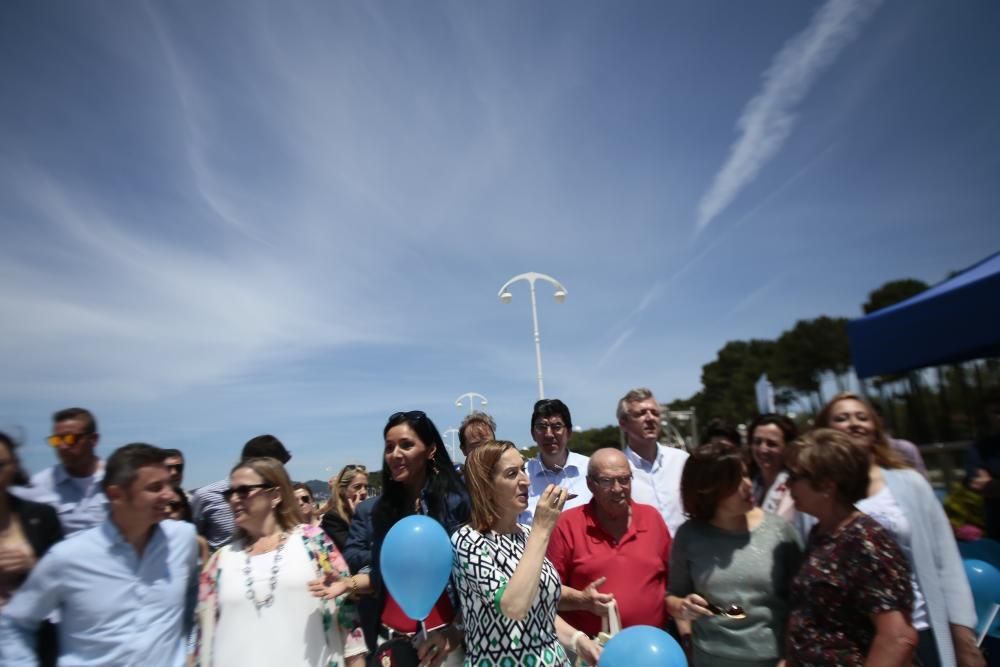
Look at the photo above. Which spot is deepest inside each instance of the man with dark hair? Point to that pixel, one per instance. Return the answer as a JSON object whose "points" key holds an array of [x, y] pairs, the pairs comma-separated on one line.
{"points": [[72, 486], [125, 590], [656, 468], [212, 514], [551, 427], [175, 466], [475, 429]]}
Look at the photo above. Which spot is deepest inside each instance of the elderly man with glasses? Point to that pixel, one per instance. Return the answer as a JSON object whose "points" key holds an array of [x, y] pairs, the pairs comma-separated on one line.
{"points": [[73, 485], [611, 548], [551, 426]]}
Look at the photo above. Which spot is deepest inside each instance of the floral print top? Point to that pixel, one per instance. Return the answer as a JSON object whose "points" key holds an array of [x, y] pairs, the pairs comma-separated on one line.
{"points": [[849, 575]]}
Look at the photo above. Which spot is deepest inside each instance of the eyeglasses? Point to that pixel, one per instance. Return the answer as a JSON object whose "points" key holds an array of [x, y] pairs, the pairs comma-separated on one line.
{"points": [[243, 491], [68, 439], [351, 467], [304, 500], [541, 427], [609, 482]]}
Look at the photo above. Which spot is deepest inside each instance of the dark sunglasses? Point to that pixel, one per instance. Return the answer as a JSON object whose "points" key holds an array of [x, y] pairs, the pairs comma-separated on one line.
{"points": [[243, 491], [410, 415]]}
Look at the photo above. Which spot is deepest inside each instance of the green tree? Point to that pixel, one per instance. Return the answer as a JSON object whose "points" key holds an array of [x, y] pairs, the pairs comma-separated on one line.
{"points": [[892, 293]]}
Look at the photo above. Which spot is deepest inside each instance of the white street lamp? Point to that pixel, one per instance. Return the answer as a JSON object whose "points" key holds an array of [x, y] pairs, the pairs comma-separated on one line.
{"points": [[560, 295], [453, 432], [471, 395]]}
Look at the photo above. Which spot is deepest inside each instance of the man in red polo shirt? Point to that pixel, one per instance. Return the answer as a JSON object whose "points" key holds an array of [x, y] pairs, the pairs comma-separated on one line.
{"points": [[626, 544]]}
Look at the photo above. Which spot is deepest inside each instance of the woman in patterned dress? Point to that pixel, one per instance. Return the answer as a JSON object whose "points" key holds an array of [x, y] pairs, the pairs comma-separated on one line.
{"points": [[508, 590], [902, 500], [851, 600]]}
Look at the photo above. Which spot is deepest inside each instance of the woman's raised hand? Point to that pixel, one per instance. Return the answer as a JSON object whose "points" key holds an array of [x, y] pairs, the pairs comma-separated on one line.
{"points": [[549, 507]]}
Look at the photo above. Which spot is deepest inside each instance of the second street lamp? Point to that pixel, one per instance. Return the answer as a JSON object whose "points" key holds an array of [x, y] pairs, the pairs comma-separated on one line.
{"points": [[472, 396], [560, 296]]}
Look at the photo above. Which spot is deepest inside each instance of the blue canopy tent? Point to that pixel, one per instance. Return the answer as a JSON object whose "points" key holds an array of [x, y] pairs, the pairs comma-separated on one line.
{"points": [[956, 320]]}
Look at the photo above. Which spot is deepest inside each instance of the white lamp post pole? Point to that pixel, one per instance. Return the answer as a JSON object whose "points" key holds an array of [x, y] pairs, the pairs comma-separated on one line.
{"points": [[560, 296], [472, 396], [452, 432]]}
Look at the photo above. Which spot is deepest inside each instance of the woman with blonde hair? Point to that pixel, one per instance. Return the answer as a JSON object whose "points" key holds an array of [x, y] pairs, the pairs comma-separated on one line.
{"points": [[347, 490], [509, 591], [904, 503], [256, 605]]}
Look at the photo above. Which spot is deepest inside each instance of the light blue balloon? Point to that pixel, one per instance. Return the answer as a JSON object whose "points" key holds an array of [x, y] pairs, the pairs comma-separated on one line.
{"points": [[416, 562], [642, 646], [984, 580]]}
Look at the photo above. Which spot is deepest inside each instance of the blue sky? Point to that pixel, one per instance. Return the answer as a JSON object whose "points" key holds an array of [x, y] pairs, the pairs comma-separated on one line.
{"points": [[232, 218]]}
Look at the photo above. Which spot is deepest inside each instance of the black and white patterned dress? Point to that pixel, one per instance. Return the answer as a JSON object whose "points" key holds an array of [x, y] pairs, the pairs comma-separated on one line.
{"points": [[484, 563]]}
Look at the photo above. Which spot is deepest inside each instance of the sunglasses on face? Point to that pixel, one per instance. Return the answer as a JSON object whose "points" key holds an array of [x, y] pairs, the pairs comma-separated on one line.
{"points": [[68, 439], [243, 491], [304, 500]]}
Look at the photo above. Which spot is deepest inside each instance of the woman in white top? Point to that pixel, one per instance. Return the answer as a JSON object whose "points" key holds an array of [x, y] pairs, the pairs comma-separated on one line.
{"points": [[255, 603], [902, 501]]}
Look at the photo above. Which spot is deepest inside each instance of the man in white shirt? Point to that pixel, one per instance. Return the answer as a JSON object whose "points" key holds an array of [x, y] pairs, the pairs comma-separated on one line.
{"points": [[656, 468], [72, 486], [551, 426]]}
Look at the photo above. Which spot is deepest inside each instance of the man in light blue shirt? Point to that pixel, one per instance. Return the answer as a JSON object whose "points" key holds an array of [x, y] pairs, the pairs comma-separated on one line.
{"points": [[125, 590], [551, 425], [72, 486]]}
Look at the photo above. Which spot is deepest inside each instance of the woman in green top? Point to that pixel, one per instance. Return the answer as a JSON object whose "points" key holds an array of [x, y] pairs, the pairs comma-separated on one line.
{"points": [[730, 557]]}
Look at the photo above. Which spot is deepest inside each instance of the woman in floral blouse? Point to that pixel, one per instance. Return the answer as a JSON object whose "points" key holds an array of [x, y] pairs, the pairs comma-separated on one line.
{"points": [[851, 600]]}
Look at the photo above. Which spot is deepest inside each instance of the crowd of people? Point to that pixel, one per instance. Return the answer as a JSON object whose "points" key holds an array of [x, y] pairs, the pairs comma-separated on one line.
{"points": [[827, 547]]}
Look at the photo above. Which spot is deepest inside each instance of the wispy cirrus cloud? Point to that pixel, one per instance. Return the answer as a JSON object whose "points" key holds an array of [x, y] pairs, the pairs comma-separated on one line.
{"points": [[768, 119]]}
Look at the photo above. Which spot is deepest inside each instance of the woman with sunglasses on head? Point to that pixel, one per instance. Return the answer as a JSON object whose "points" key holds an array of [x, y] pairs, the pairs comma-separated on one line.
{"points": [[307, 506], [508, 589], [851, 599], [347, 490], [731, 565], [27, 530], [904, 503], [417, 478], [258, 601]]}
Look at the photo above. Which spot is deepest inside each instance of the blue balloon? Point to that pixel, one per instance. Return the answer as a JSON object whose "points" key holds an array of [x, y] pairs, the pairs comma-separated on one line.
{"points": [[642, 646], [984, 580], [416, 562]]}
